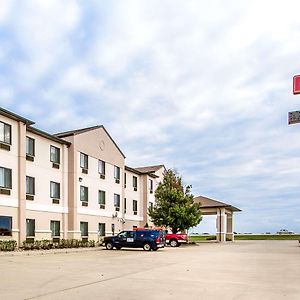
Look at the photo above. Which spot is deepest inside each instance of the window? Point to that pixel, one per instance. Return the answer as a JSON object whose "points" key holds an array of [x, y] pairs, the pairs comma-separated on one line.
{"points": [[5, 226], [151, 186], [5, 133], [54, 155], [84, 162], [84, 229], [30, 227], [30, 146], [125, 180], [125, 204], [117, 202], [134, 205], [54, 190], [84, 194], [101, 196], [30, 185], [134, 183], [101, 229], [101, 168], [150, 205], [5, 178], [55, 228], [117, 174]]}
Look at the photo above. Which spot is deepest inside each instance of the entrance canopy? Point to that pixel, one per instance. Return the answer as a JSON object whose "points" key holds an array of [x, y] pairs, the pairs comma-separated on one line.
{"points": [[224, 213]]}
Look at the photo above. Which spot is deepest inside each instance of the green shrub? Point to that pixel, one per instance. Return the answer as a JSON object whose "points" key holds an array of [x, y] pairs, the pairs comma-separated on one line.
{"points": [[9, 245]]}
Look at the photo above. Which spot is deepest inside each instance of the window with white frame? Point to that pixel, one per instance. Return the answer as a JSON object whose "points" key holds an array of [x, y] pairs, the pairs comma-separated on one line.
{"points": [[101, 197], [117, 174], [84, 229], [150, 186], [134, 183], [84, 161], [5, 178], [5, 133], [30, 227], [134, 205], [101, 229], [30, 185], [54, 190], [54, 154], [101, 168], [117, 202], [30, 146], [55, 228], [84, 193]]}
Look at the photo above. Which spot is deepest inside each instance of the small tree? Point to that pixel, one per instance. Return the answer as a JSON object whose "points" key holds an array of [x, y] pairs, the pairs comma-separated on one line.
{"points": [[174, 205]]}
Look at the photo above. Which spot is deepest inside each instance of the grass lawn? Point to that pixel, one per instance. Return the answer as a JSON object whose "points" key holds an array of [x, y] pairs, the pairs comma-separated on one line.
{"points": [[198, 238]]}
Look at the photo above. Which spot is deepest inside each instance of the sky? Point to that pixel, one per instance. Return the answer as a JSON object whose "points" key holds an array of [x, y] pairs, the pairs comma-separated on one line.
{"points": [[200, 86]]}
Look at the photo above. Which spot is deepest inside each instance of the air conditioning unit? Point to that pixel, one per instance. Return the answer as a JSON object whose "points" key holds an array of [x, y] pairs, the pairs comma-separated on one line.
{"points": [[117, 180], [29, 197], [84, 203], [102, 176], [102, 206], [135, 212], [55, 201], [135, 188], [55, 165], [84, 171]]}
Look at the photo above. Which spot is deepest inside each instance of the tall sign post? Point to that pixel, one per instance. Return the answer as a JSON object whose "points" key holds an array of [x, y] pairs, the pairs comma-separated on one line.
{"points": [[294, 116]]}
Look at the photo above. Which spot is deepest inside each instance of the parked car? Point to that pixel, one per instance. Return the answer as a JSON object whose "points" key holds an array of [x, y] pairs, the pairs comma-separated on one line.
{"points": [[146, 239], [176, 239]]}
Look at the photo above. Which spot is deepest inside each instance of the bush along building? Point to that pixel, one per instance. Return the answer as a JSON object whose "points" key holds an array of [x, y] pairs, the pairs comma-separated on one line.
{"points": [[71, 185]]}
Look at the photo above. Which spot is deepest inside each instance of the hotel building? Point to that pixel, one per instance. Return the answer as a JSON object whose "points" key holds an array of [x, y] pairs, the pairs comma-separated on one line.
{"points": [[72, 184]]}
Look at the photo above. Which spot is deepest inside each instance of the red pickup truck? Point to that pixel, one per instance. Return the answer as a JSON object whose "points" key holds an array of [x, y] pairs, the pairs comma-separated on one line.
{"points": [[176, 239]]}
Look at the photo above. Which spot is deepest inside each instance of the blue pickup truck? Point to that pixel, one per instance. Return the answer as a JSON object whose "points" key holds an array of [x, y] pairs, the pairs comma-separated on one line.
{"points": [[146, 239]]}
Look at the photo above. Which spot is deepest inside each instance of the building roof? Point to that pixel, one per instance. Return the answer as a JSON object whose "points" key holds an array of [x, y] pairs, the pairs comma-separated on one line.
{"points": [[150, 169], [211, 203], [86, 129], [135, 171], [47, 135], [14, 116]]}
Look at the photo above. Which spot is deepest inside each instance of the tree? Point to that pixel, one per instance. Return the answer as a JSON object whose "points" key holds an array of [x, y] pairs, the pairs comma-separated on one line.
{"points": [[174, 205]]}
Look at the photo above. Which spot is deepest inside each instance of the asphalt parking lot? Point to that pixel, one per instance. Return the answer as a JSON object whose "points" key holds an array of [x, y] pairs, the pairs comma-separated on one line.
{"points": [[239, 270]]}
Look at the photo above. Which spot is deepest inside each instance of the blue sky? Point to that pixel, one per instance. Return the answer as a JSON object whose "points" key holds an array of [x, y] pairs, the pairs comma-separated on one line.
{"points": [[201, 86]]}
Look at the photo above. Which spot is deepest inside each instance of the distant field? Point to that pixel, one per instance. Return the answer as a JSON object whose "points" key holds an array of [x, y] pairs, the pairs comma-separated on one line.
{"points": [[237, 237]]}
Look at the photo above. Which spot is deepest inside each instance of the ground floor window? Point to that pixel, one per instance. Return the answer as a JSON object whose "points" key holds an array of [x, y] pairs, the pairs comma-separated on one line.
{"points": [[84, 228], [30, 227], [5, 226], [101, 229], [113, 229], [55, 228]]}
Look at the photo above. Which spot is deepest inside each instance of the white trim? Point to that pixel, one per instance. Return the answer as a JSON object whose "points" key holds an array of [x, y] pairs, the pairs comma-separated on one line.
{"points": [[43, 231], [15, 230], [133, 218], [100, 213], [11, 202], [93, 232], [73, 231], [47, 208]]}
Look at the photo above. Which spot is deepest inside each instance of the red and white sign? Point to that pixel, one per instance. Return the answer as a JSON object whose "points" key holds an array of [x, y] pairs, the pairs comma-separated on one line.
{"points": [[296, 84]]}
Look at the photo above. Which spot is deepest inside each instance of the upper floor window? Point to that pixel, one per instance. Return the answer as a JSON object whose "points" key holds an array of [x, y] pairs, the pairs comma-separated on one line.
{"points": [[117, 202], [101, 196], [5, 133], [5, 226], [101, 168], [125, 205], [117, 174], [5, 178], [134, 205], [30, 185], [54, 155], [125, 179], [54, 190], [150, 205], [151, 186], [84, 162], [134, 183], [29, 148], [84, 195]]}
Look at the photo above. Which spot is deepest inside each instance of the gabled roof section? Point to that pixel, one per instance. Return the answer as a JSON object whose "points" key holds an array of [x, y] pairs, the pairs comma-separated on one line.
{"points": [[76, 131], [83, 130], [150, 169], [47, 135], [135, 171], [14, 116], [211, 203]]}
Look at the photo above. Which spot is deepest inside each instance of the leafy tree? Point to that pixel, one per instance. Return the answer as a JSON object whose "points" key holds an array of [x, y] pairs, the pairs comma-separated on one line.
{"points": [[174, 205]]}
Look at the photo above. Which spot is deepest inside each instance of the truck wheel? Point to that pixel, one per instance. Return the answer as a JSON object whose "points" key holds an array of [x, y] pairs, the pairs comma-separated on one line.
{"points": [[174, 243], [109, 246], [147, 247]]}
